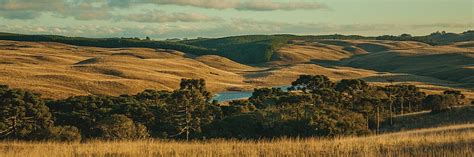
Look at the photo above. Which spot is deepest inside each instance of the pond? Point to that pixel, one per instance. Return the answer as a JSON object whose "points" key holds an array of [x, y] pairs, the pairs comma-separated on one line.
{"points": [[236, 95]]}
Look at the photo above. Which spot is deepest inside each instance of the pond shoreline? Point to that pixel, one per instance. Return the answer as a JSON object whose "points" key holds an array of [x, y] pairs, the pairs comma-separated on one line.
{"points": [[238, 95]]}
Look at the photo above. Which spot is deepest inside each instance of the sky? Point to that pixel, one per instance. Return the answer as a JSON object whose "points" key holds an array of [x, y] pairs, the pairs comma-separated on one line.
{"points": [[164, 19]]}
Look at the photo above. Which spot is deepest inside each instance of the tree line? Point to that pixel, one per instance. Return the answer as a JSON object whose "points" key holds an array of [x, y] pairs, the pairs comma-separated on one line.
{"points": [[314, 106]]}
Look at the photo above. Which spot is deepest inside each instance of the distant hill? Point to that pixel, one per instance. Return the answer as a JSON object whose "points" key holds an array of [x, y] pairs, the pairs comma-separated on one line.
{"points": [[47, 64], [248, 49], [436, 38]]}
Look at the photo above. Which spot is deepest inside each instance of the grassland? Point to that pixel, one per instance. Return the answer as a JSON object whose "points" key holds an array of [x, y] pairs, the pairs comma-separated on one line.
{"points": [[49, 68], [456, 140]]}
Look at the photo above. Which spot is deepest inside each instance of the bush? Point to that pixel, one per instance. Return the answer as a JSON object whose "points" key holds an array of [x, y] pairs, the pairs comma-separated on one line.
{"points": [[440, 103], [63, 133], [330, 121], [242, 126], [120, 127]]}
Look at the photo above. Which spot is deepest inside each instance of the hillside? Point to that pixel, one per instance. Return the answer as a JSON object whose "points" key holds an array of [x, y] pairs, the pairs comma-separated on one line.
{"points": [[459, 115], [49, 67], [247, 49]]}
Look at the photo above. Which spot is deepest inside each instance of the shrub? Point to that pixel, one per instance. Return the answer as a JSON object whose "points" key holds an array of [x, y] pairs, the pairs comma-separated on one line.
{"points": [[120, 127], [63, 133]]}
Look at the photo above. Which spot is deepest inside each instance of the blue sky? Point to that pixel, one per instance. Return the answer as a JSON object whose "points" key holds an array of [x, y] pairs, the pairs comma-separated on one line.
{"points": [[163, 19]]}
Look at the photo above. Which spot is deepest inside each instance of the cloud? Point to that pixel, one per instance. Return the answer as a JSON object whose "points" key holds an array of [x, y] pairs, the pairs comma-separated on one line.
{"points": [[94, 10], [249, 5], [30, 9], [444, 25], [267, 5], [156, 16], [20, 15]]}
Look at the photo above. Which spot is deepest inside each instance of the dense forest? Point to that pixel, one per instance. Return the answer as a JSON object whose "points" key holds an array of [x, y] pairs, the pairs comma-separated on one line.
{"points": [[248, 49], [314, 106]]}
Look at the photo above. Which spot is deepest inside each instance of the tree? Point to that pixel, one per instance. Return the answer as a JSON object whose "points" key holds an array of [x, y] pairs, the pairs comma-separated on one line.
{"points": [[440, 103], [351, 85], [330, 121], [460, 98], [264, 97], [84, 112], [22, 114], [62, 133], [237, 107], [120, 127], [312, 83], [352, 88], [190, 108]]}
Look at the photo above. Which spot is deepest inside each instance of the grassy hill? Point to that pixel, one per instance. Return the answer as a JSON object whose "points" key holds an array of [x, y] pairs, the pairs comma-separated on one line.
{"points": [[115, 66], [49, 67], [460, 115], [249, 49], [442, 62]]}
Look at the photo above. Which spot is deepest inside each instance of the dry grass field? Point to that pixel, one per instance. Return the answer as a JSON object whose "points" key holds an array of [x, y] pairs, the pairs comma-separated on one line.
{"points": [[59, 70], [455, 140]]}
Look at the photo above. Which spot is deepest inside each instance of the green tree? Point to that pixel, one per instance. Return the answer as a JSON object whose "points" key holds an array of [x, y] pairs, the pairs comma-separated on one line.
{"points": [[460, 98], [22, 114], [312, 83], [190, 108], [62, 133], [120, 127]]}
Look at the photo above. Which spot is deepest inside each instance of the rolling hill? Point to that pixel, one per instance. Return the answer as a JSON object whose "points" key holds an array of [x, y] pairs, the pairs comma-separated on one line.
{"points": [[49, 68]]}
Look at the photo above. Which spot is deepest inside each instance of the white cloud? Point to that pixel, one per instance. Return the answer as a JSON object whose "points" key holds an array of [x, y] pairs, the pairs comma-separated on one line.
{"points": [[156, 16], [267, 5], [251, 5]]}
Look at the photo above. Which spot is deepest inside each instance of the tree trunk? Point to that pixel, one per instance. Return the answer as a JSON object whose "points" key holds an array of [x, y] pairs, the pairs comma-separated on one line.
{"points": [[409, 107], [401, 111], [391, 113], [378, 119]]}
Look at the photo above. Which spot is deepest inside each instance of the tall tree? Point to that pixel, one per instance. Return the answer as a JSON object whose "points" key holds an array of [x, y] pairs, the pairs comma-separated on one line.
{"points": [[190, 108], [22, 114]]}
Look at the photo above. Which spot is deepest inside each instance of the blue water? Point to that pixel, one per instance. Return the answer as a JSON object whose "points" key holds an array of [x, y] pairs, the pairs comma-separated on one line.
{"points": [[229, 96]]}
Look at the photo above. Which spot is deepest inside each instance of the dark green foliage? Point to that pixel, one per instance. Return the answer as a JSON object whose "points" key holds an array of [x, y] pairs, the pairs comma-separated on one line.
{"points": [[460, 98], [351, 85], [310, 83], [330, 121], [120, 127], [316, 107], [62, 133], [405, 98], [22, 114], [84, 112], [435, 103], [242, 126], [190, 109], [237, 107], [264, 97], [445, 102]]}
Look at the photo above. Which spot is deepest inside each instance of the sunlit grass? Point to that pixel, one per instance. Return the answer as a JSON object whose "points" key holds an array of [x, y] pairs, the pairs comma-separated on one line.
{"points": [[455, 140]]}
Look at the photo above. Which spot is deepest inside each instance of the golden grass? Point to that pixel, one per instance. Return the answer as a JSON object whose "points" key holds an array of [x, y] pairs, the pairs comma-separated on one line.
{"points": [[457, 140], [59, 70]]}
